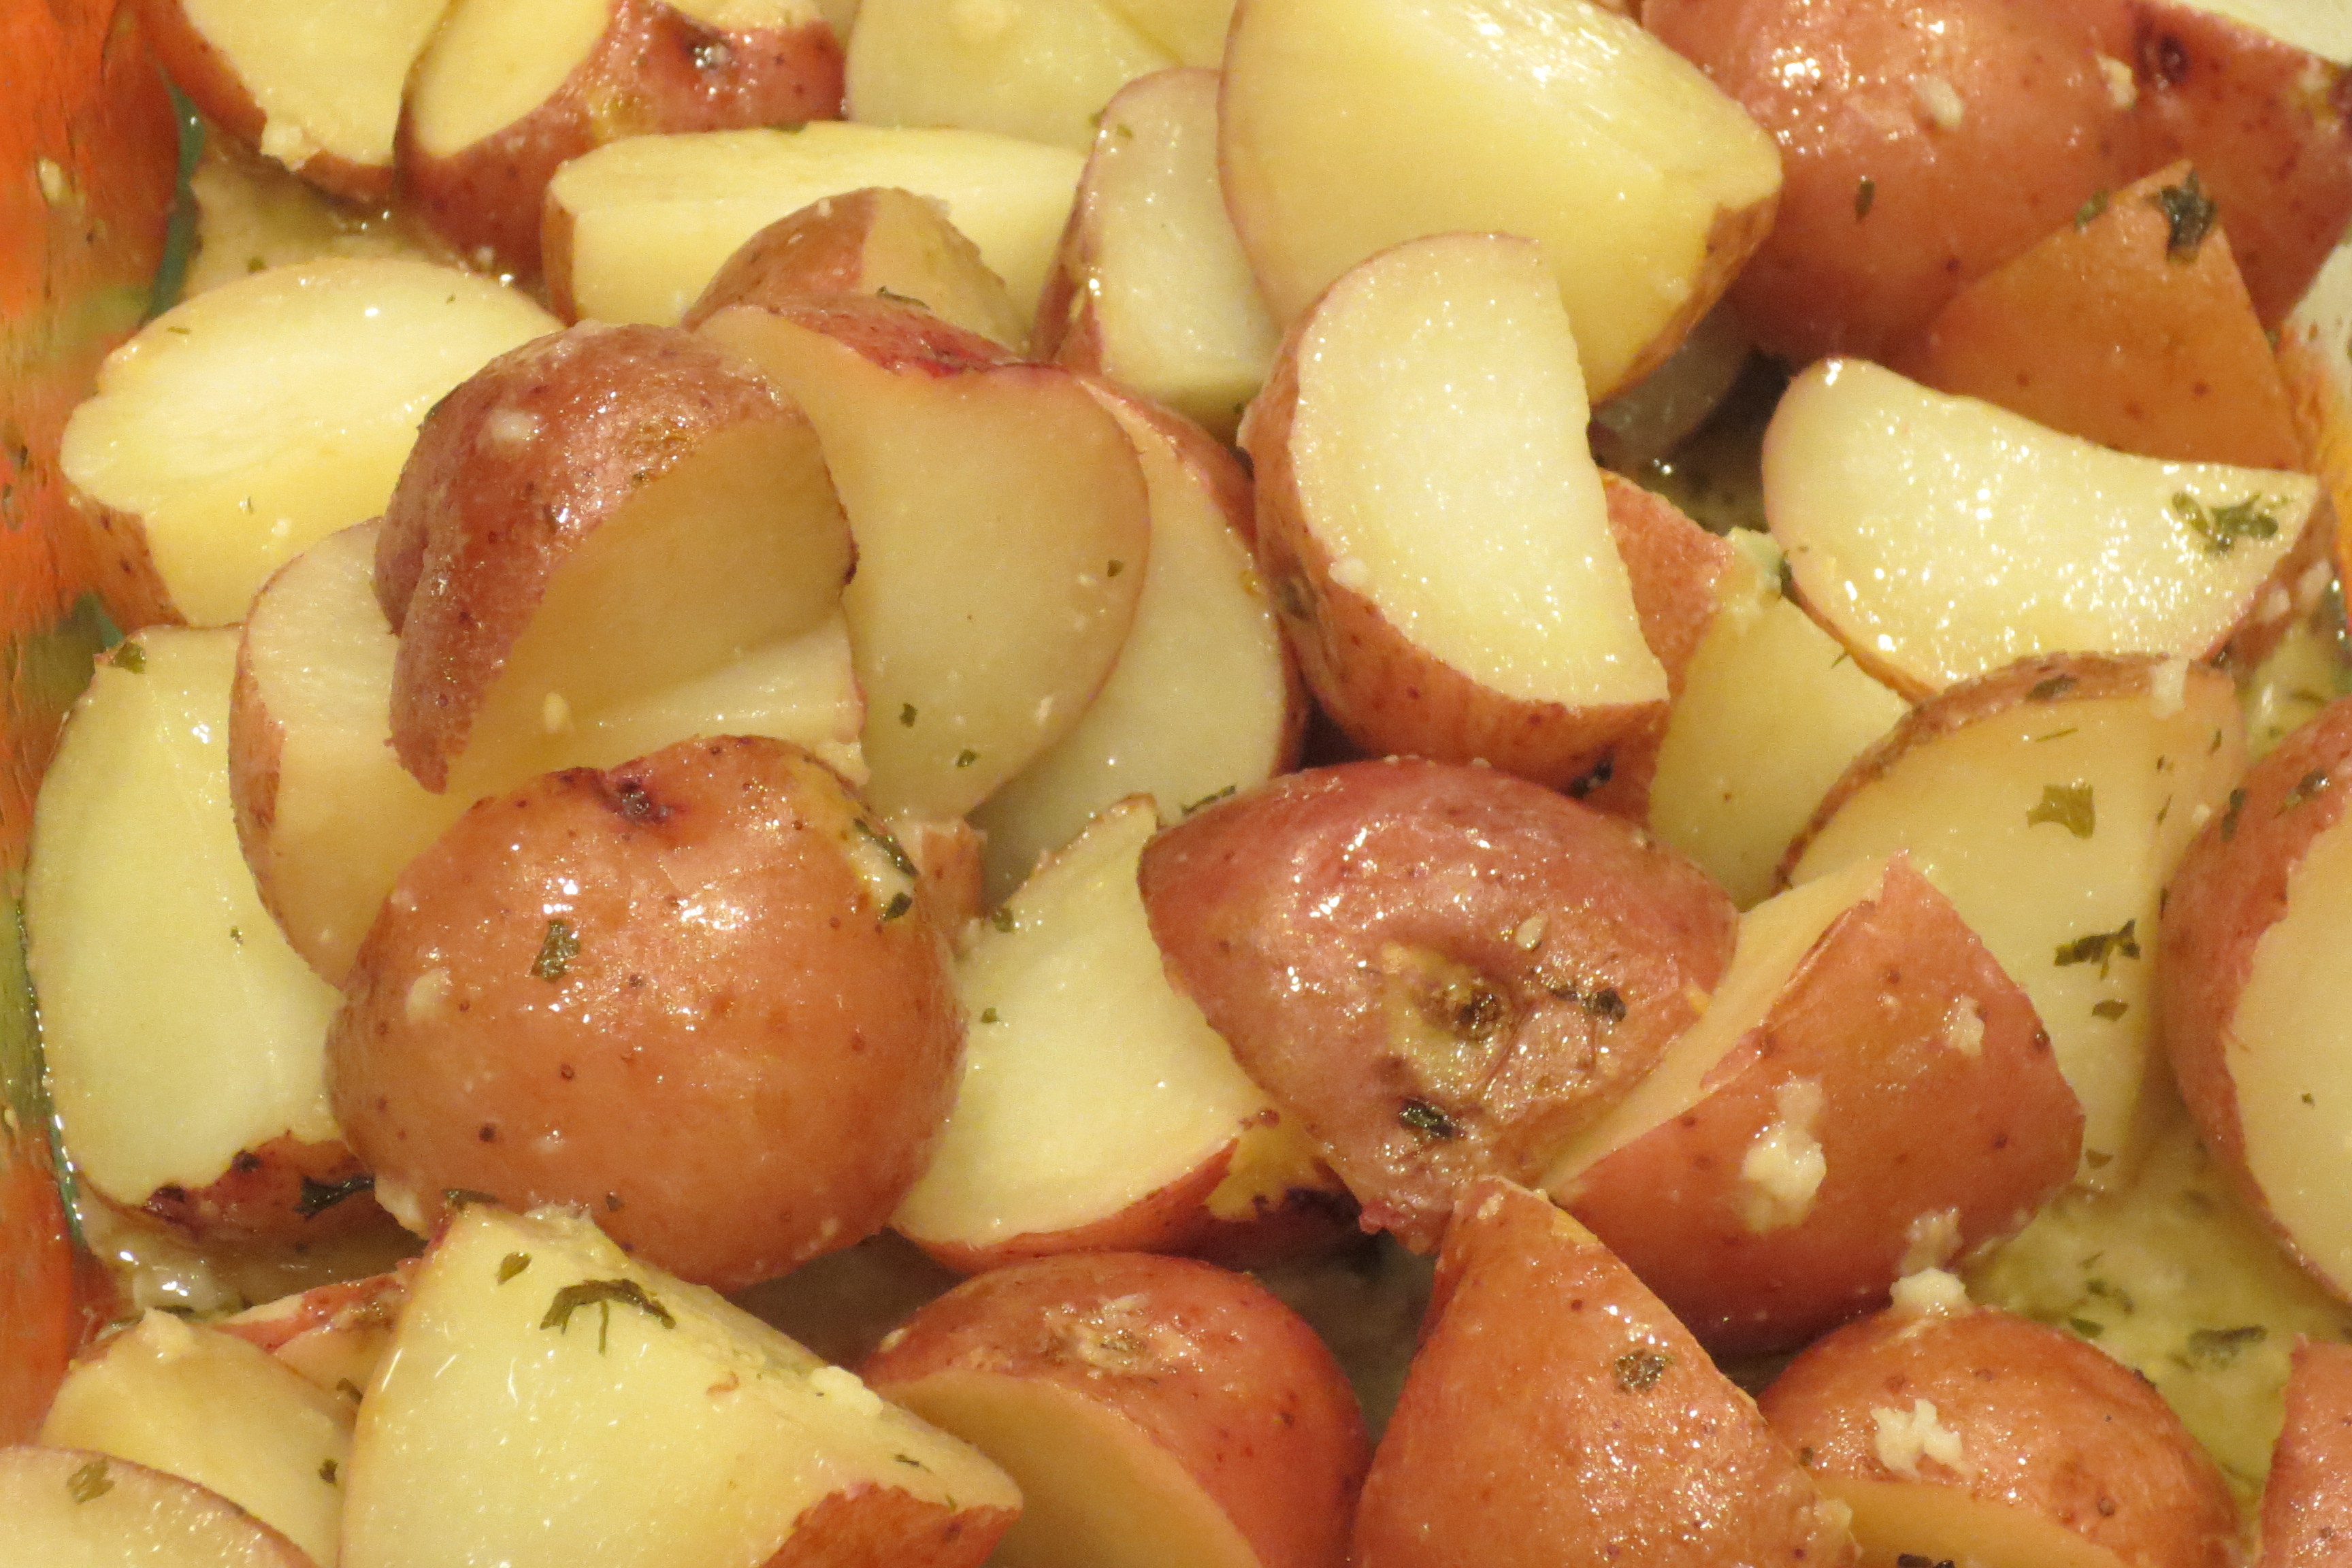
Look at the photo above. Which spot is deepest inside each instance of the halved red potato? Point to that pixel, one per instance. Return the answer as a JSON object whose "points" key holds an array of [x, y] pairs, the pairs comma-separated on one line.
{"points": [[1002, 524], [194, 1402], [659, 993], [1940, 538], [1152, 1409], [2315, 351], [2264, 892], [880, 240], [510, 89], [2050, 802], [1150, 287], [637, 229], [2263, 119], [551, 1399], [2306, 1519], [598, 516], [1867, 1095], [1923, 145], [2129, 327], [335, 1335], [1432, 525], [1344, 129], [244, 424], [183, 1035], [1556, 1412], [316, 86], [1096, 1110], [68, 1508], [1953, 1431], [1038, 69], [1441, 973], [1205, 697]]}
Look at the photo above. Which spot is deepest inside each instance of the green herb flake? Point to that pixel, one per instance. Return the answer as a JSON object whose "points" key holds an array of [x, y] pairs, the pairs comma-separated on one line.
{"points": [[897, 907], [2305, 789], [130, 657], [2229, 818], [462, 1198], [900, 861], [966, 757], [2088, 1328], [2059, 734], [989, 1016], [2307, 1100], [90, 1482], [603, 1294], [1115, 568], [2088, 213], [2101, 948], [317, 1197], [1638, 1371], [906, 715], [897, 299], [1604, 1003], [1865, 197], [330, 1471], [1210, 799], [1003, 920], [2109, 1009], [1427, 1119], [2068, 805], [2221, 527], [513, 1264], [557, 949], [2188, 214], [2220, 1347], [2050, 690]]}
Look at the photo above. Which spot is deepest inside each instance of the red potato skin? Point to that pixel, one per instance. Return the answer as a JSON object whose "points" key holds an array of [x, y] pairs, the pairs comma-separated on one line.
{"points": [[2050, 1424], [1842, 272], [478, 525], [1909, 1127], [2306, 1516], [881, 1527], [654, 71], [1442, 971], [375, 1301], [1226, 1378], [2266, 126], [2231, 888], [1557, 1412], [284, 1193], [688, 1078]]}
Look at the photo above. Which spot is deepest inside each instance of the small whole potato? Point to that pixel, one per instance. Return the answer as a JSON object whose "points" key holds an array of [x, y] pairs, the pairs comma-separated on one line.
{"points": [[697, 995]]}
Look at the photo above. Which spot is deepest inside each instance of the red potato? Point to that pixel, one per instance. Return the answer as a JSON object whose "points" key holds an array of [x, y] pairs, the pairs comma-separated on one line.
{"points": [[1151, 1409], [2112, 330], [2306, 1517], [1974, 1432], [661, 993], [1888, 1103], [879, 240], [1556, 1412], [2264, 123], [286, 1190], [1921, 146], [1442, 973], [510, 89], [336, 1335], [68, 1508]]}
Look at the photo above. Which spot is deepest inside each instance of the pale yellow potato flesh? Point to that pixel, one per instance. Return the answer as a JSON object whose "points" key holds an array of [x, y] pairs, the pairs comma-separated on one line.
{"points": [[253, 216], [1350, 126], [1770, 712], [247, 424], [327, 75], [217, 1410], [1893, 1520], [1192, 30], [1037, 70], [179, 1028], [67, 1508], [1972, 806], [1942, 537], [493, 62], [1090, 1082], [1441, 461], [502, 1428], [651, 218]]}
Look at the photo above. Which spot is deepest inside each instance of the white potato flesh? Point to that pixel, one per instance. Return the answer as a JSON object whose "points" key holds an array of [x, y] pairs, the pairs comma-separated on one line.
{"points": [[1350, 126], [178, 1025], [327, 75], [1441, 460], [1972, 807], [1038, 69], [1771, 711], [1198, 703], [2325, 30], [219, 1411], [504, 1428], [68, 1508], [493, 62], [651, 218], [1090, 1082], [247, 424], [1943, 537]]}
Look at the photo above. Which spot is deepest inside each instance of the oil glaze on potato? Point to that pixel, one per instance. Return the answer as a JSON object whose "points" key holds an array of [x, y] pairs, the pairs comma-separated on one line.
{"points": [[1442, 971], [696, 995]]}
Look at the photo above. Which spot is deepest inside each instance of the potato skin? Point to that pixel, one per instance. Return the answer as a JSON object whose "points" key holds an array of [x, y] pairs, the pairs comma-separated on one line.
{"points": [[1440, 971], [1209, 1365], [286, 1191], [2307, 1513], [1911, 1126], [1557, 1412], [2050, 1423], [509, 473], [1884, 214], [734, 1051]]}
